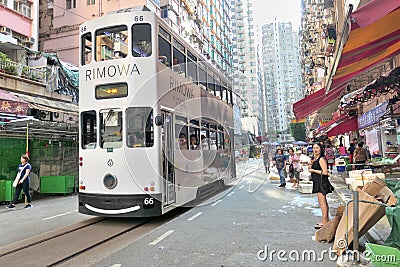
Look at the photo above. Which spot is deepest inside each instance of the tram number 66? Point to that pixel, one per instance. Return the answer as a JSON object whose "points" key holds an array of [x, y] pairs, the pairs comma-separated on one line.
{"points": [[138, 18], [148, 201]]}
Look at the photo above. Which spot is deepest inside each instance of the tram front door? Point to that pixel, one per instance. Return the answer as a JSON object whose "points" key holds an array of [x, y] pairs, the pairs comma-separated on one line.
{"points": [[168, 159]]}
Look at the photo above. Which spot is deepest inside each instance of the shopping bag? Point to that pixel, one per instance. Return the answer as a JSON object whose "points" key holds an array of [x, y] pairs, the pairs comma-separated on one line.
{"points": [[16, 180]]}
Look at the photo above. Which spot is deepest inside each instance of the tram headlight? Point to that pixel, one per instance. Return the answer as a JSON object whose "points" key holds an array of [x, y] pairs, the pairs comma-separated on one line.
{"points": [[110, 181]]}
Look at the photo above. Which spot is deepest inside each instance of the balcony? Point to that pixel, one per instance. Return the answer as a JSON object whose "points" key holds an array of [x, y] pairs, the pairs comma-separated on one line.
{"points": [[23, 71]]}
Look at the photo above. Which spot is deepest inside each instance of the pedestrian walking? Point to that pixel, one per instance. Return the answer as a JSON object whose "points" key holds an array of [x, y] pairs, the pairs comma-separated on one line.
{"points": [[23, 182], [280, 163], [294, 167], [330, 157], [321, 185], [266, 159]]}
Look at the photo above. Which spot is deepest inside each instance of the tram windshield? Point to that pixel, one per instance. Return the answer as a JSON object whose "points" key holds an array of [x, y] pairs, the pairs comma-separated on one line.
{"points": [[111, 43], [111, 128], [139, 127]]}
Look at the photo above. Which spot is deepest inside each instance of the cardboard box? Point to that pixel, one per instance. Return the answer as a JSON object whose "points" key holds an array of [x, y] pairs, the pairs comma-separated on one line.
{"points": [[369, 215], [327, 232]]}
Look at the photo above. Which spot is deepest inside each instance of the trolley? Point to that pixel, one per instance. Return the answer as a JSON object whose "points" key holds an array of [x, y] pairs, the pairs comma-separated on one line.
{"points": [[156, 119]]}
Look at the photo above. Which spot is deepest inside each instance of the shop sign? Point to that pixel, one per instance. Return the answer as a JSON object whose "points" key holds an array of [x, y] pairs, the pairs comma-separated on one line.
{"points": [[372, 117]]}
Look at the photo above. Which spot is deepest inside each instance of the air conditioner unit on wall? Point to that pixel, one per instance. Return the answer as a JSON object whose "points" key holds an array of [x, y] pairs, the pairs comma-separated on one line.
{"points": [[68, 118], [5, 30], [45, 115], [57, 116]]}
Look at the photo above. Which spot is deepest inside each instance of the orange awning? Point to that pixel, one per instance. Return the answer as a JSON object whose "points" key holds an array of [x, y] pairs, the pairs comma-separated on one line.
{"points": [[371, 42]]}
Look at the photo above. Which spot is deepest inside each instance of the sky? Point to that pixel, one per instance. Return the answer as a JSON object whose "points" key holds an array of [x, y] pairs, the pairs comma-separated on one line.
{"points": [[266, 11]]}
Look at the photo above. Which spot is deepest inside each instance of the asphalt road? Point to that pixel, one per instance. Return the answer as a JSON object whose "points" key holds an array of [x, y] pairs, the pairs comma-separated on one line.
{"points": [[233, 228]]}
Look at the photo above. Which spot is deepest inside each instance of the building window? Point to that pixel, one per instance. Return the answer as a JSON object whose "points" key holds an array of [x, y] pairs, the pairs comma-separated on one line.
{"points": [[91, 2], [23, 8], [69, 4]]}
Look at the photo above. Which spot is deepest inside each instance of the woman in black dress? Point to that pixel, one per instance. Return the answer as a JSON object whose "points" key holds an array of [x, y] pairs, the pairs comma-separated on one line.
{"points": [[321, 184]]}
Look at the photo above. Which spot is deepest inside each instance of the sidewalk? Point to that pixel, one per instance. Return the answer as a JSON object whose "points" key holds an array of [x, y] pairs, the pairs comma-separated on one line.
{"points": [[378, 233]]}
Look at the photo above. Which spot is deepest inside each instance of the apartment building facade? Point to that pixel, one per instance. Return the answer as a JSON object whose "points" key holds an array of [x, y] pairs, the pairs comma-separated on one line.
{"points": [[282, 75], [245, 77], [205, 24]]}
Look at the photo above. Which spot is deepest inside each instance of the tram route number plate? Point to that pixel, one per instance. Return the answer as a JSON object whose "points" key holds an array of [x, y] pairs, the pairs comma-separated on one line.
{"points": [[148, 203]]}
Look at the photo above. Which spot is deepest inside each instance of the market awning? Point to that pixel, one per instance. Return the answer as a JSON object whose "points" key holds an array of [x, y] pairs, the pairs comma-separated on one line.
{"points": [[371, 41], [50, 105], [372, 11], [332, 123], [370, 45], [344, 127], [315, 102], [12, 104]]}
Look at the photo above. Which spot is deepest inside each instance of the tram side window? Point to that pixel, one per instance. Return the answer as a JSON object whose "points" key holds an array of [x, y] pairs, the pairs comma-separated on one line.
{"points": [[179, 59], [89, 129], [202, 78], [86, 46], [181, 131], [204, 136], [218, 91], [139, 127], [192, 67], [110, 129], [213, 137], [164, 51], [210, 84], [220, 138], [227, 140], [111, 43], [141, 40]]}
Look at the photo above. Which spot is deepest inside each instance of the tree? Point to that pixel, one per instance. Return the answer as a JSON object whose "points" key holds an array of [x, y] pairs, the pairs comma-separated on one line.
{"points": [[298, 131]]}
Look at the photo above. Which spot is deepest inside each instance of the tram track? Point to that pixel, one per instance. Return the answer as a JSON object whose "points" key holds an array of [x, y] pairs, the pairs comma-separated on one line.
{"points": [[69, 245]]}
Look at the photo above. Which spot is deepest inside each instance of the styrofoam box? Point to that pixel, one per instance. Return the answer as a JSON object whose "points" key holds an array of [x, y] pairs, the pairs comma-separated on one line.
{"points": [[305, 187], [358, 173], [306, 176]]}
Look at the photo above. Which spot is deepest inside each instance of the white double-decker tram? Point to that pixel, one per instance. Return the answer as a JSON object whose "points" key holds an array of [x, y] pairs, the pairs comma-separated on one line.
{"points": [[156, 121]]}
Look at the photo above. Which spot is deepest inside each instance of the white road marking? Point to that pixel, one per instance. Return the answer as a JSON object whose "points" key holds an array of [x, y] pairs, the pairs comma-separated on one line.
{"points": [[195, 216], [230, 194], [216, 202], [116, 265], [241, 187], [59, 215], [156, 241]]}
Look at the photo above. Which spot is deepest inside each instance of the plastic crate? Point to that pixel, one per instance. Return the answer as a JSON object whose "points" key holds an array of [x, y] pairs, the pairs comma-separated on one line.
{"points": [[341, 168], [383, 256]]}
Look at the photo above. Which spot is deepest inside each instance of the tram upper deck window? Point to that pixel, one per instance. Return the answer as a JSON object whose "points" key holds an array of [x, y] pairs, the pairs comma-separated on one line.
{"points": [[210, 84], [88, 130], [179, 58], [164, 47], [141, 40], [111, 43], [202, 78], [139, 127], [110, 128], [218, 91], [86, 47], [192, 67], [115, 90]]}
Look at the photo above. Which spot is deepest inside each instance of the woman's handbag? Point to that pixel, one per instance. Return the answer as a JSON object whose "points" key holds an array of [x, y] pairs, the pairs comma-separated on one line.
{"points": [[326, 187]]}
